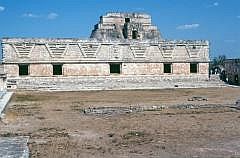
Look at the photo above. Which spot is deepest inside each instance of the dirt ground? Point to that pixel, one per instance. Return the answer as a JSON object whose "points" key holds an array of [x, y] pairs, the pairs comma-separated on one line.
{"points": [[59, 126]]}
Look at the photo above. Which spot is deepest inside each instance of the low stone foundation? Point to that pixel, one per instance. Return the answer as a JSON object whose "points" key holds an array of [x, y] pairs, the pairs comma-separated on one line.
{"points": [[110, 82]]}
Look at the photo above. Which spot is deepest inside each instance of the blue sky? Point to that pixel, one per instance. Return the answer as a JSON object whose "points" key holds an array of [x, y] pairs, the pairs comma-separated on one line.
{"points": [[215, 20]]}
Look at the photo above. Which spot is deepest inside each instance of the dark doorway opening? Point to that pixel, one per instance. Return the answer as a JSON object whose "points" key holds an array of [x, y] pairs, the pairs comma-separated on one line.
{"points": [[23, 69], [236, 79], [127, 20], [134, 34], [115, 68], [193, 67], [167, 68], [57, 69]]}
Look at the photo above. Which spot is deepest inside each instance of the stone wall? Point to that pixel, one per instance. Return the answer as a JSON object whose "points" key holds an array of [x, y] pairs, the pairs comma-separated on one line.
{"points": [[203, 68], [40, 70], [142, 68], [76, 51], [11, 70], [116, 82], [181, 68], [87, 69], [103, 69]]}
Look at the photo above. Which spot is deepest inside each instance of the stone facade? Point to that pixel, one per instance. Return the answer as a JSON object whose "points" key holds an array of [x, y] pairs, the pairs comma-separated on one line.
{"points": [[110, 51]]}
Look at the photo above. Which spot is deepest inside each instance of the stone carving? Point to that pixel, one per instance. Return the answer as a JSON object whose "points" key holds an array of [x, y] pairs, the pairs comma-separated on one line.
{"points": [[116, 52], [167, 50], [193, 50], [23, 50], [139, 51], [123, 44], [56, 50], [89, 50]]}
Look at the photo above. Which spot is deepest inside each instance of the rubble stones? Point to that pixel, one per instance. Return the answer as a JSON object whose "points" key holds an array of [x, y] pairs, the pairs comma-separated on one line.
{"points": [[198, 98], [237, 105], [198, 106], [109, 111], [238, 102]]}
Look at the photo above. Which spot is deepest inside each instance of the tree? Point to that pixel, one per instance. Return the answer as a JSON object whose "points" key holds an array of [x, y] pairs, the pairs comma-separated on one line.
{"points": [[218, 63]]}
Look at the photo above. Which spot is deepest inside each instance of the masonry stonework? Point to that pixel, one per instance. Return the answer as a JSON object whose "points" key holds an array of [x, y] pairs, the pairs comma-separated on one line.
{"points": [[142, 68], [11, 70], [94, 69], [181, 68], [127, 40], [40, 70], [203, 68]]}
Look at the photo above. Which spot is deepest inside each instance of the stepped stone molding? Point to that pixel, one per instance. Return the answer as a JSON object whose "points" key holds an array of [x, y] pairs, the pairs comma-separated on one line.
{"points": [[139, 51], [167, 50], [103, 51], [23, 50], [89, 50], [116, 51], [193, 50], [56, 50]]}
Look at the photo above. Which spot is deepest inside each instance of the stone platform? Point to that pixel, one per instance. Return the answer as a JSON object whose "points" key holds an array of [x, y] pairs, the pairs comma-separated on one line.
{"points": [[14, 147], [117, 82], [4, 98]]}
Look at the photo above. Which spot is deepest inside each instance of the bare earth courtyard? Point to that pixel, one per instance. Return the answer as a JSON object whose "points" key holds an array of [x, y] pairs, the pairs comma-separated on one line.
{"points": [[169, 123]]}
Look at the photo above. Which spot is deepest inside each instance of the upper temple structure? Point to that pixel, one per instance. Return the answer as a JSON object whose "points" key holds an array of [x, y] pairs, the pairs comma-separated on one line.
{"points": [[125, 26], [124, 51]]}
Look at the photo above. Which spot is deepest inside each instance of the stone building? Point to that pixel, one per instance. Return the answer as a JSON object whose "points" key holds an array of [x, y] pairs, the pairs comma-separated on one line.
{"points": [[125, 26], [121, 45], [231, 73]]}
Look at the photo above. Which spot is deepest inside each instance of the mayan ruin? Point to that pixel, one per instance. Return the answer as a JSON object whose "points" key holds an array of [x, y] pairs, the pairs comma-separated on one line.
{"points": [[121, 45], [119, 79]]}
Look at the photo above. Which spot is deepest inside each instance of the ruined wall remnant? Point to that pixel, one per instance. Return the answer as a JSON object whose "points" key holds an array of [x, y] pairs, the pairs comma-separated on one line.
{"points": [[231, 74]]}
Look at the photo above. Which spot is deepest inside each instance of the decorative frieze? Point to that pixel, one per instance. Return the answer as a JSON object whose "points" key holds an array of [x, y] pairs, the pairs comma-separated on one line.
{"points": [[139, 51], [89, 50], [23, 50], [56, 50]]}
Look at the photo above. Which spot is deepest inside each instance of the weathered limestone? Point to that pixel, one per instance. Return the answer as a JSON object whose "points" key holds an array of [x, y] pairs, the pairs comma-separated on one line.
{"points": [[41, 70], [96, 69], [113, 82], [125, 26], [14, 147], [203, 68], [181, 68], [122, 45], [142, 68], [4, 99], [11, 70]]}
